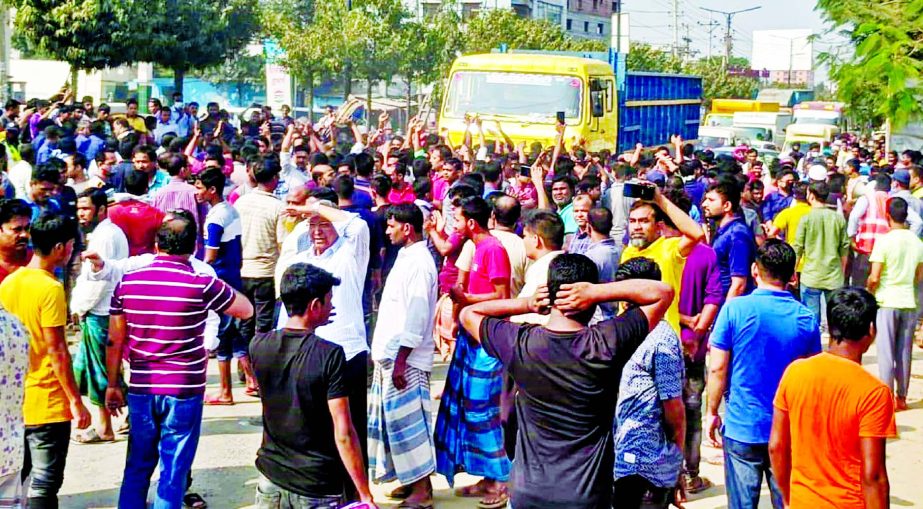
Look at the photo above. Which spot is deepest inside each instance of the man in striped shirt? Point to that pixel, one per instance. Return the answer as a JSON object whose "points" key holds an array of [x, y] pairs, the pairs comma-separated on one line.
{"points": [[160, 312]]}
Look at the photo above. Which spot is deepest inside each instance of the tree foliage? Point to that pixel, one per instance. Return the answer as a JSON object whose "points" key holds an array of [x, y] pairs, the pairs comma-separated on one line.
{"points": [[881, 79], [87, 34], [493, 27], [196, 34]]}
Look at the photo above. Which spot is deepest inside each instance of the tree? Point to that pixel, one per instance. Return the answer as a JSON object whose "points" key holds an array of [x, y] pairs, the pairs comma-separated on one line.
{"points": [[87, 34], [644, 57], [493, 27], [241, 71], [881, 79], [195, 34], [303, 29]]}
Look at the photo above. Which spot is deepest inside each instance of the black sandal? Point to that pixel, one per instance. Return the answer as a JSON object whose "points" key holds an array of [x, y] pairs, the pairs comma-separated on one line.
{"points": [[194, 501]]}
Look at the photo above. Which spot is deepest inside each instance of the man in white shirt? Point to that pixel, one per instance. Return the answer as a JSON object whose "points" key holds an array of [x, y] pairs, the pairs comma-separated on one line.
{"points": [[338, 242], [543, 237], [400, 414], [90, 303]]}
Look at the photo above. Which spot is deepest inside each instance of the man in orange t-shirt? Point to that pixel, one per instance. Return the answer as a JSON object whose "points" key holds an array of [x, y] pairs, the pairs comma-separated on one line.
{"points": [[832, 418]]}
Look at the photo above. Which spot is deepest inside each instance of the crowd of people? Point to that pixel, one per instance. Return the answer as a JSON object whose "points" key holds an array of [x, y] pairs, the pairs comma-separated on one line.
{"points": [[596, 310]]}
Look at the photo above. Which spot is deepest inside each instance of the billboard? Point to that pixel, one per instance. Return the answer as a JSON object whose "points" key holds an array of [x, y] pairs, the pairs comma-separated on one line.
{"points": [[783, 50]]}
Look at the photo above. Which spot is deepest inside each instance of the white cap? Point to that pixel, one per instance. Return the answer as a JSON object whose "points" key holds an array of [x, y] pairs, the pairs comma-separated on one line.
{"points": [[817, 172]]}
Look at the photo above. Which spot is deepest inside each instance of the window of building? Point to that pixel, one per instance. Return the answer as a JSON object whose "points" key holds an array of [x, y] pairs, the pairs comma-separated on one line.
{"points": [[551, 12], [570, 24], [599, 28], [616, 6], [586, 26]]}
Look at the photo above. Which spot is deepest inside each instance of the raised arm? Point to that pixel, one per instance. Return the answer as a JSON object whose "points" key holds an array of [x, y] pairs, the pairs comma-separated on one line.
{"points": [[692, 232], [472, 316]]}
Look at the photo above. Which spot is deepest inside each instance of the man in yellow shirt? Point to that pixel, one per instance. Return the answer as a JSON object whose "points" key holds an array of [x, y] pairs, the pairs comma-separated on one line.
{"points": [[131, 115], [52, 398], [646, 221], [787, 220]]}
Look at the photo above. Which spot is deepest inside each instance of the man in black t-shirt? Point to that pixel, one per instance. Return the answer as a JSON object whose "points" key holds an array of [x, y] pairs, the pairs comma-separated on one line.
{"points": [[309, 443], [568, 375]]}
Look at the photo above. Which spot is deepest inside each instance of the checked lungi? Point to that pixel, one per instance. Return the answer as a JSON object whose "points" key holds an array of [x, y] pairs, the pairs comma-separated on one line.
{"points": [[469, 433], [400, 426]]}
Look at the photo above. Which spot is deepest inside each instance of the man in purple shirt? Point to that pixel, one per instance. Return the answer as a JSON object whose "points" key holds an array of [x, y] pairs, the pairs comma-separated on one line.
{"points": [[700, 296], [161, 309], [177, 194]]}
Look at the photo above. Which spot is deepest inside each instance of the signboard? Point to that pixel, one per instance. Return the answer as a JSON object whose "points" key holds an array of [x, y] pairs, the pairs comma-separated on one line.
{"points": [[747, 72], [278, 80]]}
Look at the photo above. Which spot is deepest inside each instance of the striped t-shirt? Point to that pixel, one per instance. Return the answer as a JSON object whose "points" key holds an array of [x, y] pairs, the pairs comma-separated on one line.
{"points": [[165, 306]]}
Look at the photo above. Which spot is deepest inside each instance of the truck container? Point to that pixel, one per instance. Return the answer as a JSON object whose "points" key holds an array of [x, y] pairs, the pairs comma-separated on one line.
{"points": [[518, 96], [786, 98]]}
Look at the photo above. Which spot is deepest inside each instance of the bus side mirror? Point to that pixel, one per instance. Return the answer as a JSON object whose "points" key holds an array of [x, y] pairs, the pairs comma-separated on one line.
{"points": [[596, 104]]}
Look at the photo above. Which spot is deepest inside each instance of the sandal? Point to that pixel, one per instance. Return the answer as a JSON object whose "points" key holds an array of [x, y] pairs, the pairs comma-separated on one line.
{"points": [[495, 500], [124, 428], [215, 400], [253, 392], [90, 437], [194, 501], [478, 490], [697, 484]]}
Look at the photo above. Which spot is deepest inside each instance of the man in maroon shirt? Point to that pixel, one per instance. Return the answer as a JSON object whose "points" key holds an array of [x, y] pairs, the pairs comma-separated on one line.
{"points": [[136, 218], [15, 216]]}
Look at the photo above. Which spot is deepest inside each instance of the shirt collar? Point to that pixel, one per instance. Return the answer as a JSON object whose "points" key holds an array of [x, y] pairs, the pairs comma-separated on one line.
{"points": [[769, 291], [725, 228]]}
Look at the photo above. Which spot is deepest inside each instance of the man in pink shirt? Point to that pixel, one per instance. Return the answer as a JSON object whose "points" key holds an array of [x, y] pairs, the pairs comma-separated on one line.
{"points": [[465, 440]]}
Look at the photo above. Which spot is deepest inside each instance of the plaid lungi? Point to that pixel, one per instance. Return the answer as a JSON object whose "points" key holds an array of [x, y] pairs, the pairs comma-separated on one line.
{"points": [[400, 426], [469, 434]]}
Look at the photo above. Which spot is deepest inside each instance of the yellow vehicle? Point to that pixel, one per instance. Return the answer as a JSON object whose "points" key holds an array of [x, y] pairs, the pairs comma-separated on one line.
{"points": [[519, 95], [807, 134], [722, 110]]}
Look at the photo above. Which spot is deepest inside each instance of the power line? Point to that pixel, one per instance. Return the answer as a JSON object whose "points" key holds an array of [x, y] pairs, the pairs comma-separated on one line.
{"points": [[728, 39]]}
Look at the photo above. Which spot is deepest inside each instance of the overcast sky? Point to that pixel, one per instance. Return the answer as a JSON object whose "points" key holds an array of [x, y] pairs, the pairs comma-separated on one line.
{"points": [[651, 22]]}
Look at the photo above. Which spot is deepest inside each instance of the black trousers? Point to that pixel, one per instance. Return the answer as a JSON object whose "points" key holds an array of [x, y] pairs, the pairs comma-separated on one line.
{"points": [[357, 375], [45, 456], [261, 291], [636, 492]]}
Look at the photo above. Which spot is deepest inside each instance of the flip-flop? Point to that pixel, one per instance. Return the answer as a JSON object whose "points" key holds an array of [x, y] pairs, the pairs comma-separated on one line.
{"points": [[252, 392], [473, 491], [124, 428], [194, 501], [503, 497], [212, 400], [90, 437]]}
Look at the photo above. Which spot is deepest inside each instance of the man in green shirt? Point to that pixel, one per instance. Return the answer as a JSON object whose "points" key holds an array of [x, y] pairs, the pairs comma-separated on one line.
{"points": [[822, 246]]}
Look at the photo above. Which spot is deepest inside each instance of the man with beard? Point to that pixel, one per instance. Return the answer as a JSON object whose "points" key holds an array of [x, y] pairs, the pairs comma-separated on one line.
{"points": [[90, 304], [646, 223], [15, 216], [733, 241]]}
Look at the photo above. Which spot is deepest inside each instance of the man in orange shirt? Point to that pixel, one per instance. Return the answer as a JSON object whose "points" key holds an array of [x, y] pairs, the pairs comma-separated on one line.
{"points": [[832, 418]]}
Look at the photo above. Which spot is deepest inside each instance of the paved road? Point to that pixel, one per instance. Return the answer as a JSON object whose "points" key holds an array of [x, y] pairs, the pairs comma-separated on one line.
{"points": [[224, 473]]}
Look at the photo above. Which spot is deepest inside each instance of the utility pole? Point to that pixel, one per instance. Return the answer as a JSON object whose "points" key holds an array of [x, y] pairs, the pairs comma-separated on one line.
{"points": [[728, 39], [675, 28], [712, 25]]}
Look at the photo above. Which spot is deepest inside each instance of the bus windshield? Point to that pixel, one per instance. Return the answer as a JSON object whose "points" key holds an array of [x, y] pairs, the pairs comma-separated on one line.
{"points": [[539, 96]]}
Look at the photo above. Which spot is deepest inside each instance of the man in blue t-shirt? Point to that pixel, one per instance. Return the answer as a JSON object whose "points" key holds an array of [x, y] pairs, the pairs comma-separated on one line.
{"points": [[223, 251], [733, 241], [754, 339]]}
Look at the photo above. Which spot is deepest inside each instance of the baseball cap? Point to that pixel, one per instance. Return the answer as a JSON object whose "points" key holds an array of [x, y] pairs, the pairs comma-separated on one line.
{"points": [[902, 176]]}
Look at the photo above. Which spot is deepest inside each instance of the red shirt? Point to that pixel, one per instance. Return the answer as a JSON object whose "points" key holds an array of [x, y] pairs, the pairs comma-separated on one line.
{"points": [[140, 223], [403, 195]]}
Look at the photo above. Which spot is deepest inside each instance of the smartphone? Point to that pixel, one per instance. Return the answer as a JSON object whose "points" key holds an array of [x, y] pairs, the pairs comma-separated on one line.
{"points": [[560, 116], [525, 170]]}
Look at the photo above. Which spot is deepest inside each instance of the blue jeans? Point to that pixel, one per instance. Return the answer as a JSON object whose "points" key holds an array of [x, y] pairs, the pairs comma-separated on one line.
{"points": [[270, 496], [45, 456], [744, 468], [231, 343], [165, 428], [810, 297]]}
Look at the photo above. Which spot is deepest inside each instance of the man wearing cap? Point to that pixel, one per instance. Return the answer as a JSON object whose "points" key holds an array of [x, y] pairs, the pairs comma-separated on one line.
{"points": [[900, 188]]}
